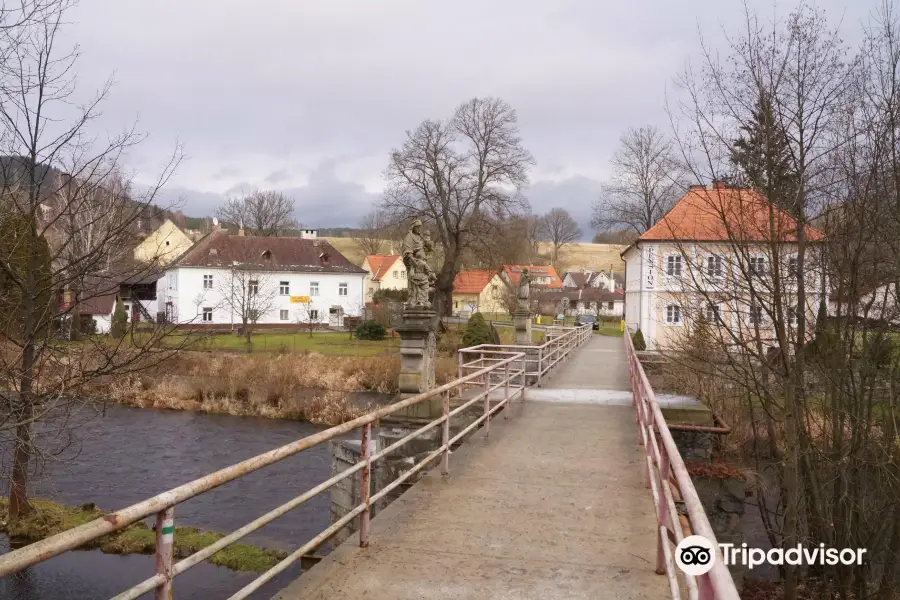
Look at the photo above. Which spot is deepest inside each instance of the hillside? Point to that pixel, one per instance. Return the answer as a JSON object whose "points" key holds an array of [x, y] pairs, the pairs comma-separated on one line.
{"points": [[597, 257], [585, 255]]}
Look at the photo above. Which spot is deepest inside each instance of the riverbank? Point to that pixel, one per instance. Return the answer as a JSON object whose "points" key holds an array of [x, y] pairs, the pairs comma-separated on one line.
{"points": [[300, 386], [50, 518]]}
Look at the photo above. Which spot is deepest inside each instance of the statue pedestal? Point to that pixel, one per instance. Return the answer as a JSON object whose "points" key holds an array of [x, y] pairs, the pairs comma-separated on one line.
{"points": [[418, 345], [522, 324]]}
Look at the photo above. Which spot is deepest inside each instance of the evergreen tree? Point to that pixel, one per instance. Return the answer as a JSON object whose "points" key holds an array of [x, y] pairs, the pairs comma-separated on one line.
{"points": [[119, 320], [19, 244], [762, 155]]}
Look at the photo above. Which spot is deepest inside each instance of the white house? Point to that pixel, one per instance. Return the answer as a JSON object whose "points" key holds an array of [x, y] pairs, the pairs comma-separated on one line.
{"points": [[584, 279], [713, 256], [384, 272], [277, 280]]}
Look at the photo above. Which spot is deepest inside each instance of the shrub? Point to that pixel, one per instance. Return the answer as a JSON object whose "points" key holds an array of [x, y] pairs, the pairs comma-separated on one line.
{"points": [[119, 320], [477, 331], [638, 341], [371, 330]]}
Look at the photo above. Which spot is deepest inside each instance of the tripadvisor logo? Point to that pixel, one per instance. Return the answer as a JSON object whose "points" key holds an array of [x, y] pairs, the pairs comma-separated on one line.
{"points": [[696, 555]]}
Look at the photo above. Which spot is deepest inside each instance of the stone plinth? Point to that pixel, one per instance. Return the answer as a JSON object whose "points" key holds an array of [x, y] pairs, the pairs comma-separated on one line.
{"points": [[417, 355], [522, 323]]}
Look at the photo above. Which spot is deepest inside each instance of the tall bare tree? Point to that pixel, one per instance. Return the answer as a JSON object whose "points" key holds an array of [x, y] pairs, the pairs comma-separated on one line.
{"points": [[559, 228], [648, 177], [454, 173], [66, 215], [264, 212], [374, 233]]}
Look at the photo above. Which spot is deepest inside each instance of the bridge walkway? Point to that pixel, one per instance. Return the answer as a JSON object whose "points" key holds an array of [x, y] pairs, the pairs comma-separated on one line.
{"points": [[551, 506]]}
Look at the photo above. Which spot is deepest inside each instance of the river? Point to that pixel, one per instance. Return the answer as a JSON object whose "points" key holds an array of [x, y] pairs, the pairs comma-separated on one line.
{"points": [[127, 455]]}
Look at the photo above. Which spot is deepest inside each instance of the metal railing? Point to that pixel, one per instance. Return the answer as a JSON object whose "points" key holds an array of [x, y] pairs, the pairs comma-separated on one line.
{"points": [[666, 475], [506, 373], [559, 344]]}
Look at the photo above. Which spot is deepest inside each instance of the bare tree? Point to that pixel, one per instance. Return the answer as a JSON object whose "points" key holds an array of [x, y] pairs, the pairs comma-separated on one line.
{"points": [[374, 233], [648, 178], [248, 292], [559, 228], [308, 314], [66, 214], [264, 212], [455, 173]]}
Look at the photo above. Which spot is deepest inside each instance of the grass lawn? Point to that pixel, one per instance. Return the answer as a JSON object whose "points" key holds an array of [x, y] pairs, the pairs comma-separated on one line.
{"points": [[613, 329], [329, 343]]}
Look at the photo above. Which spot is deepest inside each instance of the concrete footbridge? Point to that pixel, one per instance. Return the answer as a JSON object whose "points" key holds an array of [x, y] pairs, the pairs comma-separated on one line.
{"points": [[542, 472]]}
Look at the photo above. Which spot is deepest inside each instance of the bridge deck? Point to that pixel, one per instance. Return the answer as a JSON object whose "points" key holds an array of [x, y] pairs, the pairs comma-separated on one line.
{"points": [[551, 506]]}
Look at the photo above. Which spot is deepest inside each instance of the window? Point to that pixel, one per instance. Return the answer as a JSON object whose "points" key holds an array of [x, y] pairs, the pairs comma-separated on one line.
{"points": [[207, 282], [284, 288], [173, 281], [673, 314], [207, 315], [254, 315], [792, 316], [342, 289], [712, 313], [757, 265], [314, 315], [314, 288], [402, 274], [792, 266], [673, 266], [714, 266], [283, 315], [396, 275], [254, 287], [756, 315], [610, 305]]}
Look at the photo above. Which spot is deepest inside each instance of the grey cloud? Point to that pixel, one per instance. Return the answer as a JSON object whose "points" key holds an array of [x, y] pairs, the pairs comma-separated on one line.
{"points": [[277, 177], [575, 194]]}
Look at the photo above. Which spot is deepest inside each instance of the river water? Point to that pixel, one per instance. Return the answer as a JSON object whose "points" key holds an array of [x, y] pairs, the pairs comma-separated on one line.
{"points": [[127, 455]]}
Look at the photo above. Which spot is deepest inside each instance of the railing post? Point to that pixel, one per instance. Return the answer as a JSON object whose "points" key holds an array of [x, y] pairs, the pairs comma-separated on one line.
{"points": [[540, 366], [487, 404], [365, 477], [460, 358], [165, 538], [445, 433], [662, 515], [506, 391], [524, 376]]}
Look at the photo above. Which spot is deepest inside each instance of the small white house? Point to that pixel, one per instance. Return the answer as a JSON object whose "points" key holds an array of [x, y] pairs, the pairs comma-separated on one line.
{"points": [[271, 280]]}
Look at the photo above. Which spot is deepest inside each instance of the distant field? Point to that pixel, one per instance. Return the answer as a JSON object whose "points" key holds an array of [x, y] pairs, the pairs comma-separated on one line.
{"points": [[596, 257]]}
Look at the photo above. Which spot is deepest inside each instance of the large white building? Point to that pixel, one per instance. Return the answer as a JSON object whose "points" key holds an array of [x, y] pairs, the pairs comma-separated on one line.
{"points": [[713, 256], [279, 280]]}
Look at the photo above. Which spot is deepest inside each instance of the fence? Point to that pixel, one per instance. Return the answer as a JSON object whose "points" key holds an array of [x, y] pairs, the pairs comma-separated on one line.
{"points": [[663, 463], [506, 373], [539, 360]]}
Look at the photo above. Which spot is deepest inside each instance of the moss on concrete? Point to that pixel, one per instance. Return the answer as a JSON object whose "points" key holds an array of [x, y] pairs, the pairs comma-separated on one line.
{"points": [[50, 518]]}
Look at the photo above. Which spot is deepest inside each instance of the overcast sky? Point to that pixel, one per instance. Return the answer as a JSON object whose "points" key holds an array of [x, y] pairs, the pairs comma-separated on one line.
{"points": [[310, 96]]}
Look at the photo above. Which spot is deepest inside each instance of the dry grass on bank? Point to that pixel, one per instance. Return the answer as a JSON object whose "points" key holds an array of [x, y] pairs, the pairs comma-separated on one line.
{"points": [[309, 387]]}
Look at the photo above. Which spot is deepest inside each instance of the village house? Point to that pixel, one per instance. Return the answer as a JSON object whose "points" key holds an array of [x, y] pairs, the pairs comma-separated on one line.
{"points": [[594, 301], [586, 278], [712, 257], [273, 280], [479, 291], [164, 244], [384, 272], [542, 276]]}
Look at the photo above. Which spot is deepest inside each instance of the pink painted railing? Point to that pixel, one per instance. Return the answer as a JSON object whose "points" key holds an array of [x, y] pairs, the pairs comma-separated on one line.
{"points": [[664, 463]]}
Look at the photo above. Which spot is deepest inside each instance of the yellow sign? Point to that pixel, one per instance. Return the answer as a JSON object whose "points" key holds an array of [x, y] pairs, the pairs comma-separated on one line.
{"points": [[299, 299]]}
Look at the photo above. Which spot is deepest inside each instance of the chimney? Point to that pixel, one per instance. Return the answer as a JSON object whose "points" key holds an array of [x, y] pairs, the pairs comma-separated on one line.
{"points": [[719, 184]]}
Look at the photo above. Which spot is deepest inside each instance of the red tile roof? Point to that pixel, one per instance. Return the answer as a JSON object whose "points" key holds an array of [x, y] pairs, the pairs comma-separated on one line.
{"points": [[223, 250], [472, 282], [725, 213], [380, 263], [514, 272]]}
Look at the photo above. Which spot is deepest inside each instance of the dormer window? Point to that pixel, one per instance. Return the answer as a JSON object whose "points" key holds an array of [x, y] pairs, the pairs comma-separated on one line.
{"points": [[267, 255]]}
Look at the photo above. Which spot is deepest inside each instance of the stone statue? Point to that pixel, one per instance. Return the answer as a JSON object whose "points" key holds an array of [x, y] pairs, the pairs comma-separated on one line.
{"points": [[523, 293], [419, 276]]}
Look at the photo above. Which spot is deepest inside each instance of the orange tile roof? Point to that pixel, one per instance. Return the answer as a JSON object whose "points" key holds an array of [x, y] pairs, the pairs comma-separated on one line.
{"points": [[514, 272], [725, 213], [472, 282], [380, 264]]}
